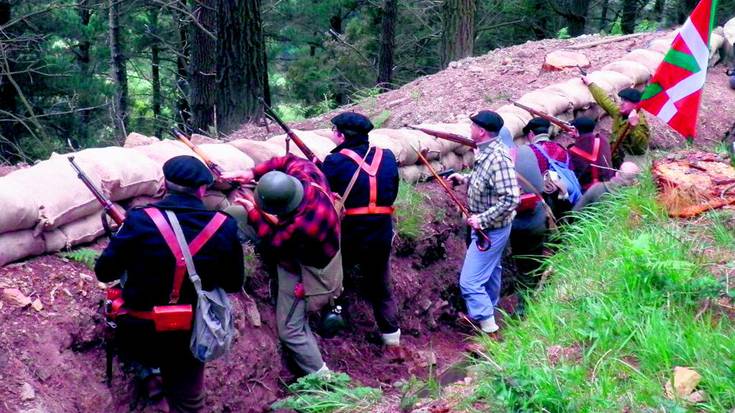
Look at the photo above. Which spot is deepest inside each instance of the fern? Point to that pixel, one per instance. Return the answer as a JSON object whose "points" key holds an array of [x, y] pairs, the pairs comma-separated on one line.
{"points": [[86, 256]]}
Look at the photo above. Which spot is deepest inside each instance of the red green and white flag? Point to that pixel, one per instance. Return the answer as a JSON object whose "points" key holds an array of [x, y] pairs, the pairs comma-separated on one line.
{"points": [[676, 88]]}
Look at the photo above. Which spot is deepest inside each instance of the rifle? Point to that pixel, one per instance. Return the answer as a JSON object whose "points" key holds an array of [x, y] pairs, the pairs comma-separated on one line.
{"points": [[112, 292], [619, 141], [178, 134], [484, 243], [453, 137], [290, 134], [565, 126], [110, 209], [443, 174]]}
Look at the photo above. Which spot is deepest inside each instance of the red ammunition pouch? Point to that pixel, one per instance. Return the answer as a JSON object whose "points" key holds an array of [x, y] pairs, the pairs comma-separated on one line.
{"points": [[372, 171], [528, 203], [172, 317], [591, 158]]}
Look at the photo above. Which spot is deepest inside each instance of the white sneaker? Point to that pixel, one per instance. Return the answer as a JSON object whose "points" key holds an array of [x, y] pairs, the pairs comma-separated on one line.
{"points": [[392, 339], [488, 325]]}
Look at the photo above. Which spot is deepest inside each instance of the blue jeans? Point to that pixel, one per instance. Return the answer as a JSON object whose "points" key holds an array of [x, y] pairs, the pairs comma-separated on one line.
{"points": [[479, 281]]}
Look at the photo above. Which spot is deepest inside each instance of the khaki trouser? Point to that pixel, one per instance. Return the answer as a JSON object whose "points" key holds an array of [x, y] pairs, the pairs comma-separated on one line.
{"points": [[294, 331]]}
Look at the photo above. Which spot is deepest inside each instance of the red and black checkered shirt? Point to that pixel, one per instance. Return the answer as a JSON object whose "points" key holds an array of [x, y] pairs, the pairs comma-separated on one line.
{"points": [[310, 235]]}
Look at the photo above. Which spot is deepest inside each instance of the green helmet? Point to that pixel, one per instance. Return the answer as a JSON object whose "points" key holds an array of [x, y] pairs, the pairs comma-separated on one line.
{"points": [[278, 193]]}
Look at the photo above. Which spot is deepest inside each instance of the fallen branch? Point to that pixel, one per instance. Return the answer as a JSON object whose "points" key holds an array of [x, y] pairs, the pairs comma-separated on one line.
{"points": [[605, 41]]}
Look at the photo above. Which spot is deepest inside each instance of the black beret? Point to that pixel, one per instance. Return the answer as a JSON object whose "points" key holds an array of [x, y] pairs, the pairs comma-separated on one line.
{"points": [[584, 124], [488, 120], [537, 125], [630, 94], [352, 122], [187, 171]]}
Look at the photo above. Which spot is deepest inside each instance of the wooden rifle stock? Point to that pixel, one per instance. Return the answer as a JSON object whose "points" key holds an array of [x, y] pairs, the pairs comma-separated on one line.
{"points": [[566, 126], [107, 205], [484, 243], [453, 137], [291, 135], [184, 138]]}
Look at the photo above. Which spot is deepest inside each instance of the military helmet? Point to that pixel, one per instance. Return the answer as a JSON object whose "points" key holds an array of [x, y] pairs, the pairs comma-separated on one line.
{"points": [[278, 193]]}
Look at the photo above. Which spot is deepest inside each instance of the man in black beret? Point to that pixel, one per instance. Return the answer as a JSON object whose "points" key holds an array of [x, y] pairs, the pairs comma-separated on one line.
{"points": [[590, 154], [627, 122], [367, 179], [492, 197], [155, 282]]}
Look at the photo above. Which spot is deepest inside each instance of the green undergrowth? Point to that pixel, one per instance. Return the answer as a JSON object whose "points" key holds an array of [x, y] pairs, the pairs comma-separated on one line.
{"points": [[86, 256], [623, 306], [411, 211], [331, 393]]}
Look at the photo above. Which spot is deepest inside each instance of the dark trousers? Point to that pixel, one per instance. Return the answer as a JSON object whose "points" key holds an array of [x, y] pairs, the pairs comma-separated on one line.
{"points": [[372, 261], [527, 246], [181, 373]]}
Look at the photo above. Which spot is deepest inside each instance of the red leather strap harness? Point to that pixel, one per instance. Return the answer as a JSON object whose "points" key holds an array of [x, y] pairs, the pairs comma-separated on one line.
{"points": [[372, 171], [590, 157], [180, 269]]}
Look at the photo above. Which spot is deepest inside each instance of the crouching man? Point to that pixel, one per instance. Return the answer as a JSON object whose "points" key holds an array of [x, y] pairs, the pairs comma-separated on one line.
{"points": [[294, 217], [146, 248]]}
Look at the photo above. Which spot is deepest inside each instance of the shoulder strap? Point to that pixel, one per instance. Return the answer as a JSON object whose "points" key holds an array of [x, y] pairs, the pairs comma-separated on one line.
{"points": [[360, 165], [175, 245], [591, 157], [191, 269]]}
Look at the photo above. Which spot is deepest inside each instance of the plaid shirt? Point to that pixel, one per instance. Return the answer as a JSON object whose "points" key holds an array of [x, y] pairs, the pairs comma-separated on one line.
{"points": [[310, 235], [493, 192]]}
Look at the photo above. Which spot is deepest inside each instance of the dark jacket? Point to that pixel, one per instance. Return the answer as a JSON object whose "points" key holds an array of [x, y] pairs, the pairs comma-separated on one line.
{"points": [[339, 170], [139, 249], [583, 166]]}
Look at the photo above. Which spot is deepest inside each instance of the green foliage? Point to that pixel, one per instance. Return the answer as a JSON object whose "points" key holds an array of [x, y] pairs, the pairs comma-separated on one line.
{"points": [[332, 392], [411, 212], [86, 256], [721, 228], [379, 119], [646, 25], [626, 286], [563, 33]]}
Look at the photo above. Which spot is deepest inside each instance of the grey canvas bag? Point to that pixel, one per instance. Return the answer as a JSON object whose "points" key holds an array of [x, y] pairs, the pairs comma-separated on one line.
{"points": [[213, 327]]}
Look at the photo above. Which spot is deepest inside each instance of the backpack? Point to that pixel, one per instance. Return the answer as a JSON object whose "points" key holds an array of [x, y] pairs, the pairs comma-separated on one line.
{"points": [[213, 328], [574, 189]]}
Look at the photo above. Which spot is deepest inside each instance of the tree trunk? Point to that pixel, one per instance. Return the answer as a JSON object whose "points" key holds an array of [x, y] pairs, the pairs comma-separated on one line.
{"points": [[155, 73], [458, 34], [7, 95], [387, 44], [182, 72], [657, 12], [627, 21], [83, 60], [242, 74], [603, 15], [202, 69], [538, 18], [577, 17], [119, 73]]}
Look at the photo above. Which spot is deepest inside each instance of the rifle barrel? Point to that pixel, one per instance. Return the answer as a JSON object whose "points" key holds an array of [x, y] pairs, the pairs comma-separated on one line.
{"points": [[553, 119], [453, 137], [310, 155], [107, 205]]}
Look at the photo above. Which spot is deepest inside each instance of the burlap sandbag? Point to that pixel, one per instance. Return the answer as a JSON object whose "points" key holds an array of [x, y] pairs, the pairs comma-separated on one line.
{"points": [[136, 139], [215, 200], [468, 160], [198, 139], [716, 40], [552, 103], [20, 244], [512, 121], [258, 151], [78, 232], [728, 30], [227, 156], [58, 193], [661, 45], [404, 155], [18, 206], [617, 80], [320, 145], [125, 173], [451, 161], [418, 173], [634, 70], [576, 91], [407, 138], [648, 58], [327, 133], [162, 151]]}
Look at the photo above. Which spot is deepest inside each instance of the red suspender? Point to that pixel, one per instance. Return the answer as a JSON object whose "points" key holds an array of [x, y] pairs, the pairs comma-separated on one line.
{"points": [[372, 171], [590, 157], [194, 246]]}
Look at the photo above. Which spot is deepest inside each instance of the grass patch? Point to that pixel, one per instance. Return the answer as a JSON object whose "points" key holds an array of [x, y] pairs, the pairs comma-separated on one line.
{"points": [[411, 211], [333, 392], [625, 294], [86, 256]]}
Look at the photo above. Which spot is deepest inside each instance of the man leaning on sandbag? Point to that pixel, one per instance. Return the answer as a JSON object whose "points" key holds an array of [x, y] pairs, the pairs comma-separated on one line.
{"points": [[294, 217], [492, 195], [626, 119], [154, 326]]}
